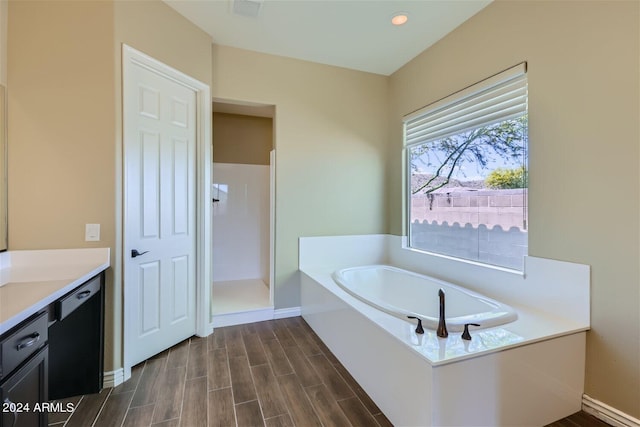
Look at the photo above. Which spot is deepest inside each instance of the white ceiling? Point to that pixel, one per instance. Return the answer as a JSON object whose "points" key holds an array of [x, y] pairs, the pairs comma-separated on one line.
{"points": [[354, 34]]}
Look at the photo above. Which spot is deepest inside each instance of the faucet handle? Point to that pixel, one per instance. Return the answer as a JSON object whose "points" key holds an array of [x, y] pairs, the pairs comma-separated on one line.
{"points": [[466, 335], [419, 329]]}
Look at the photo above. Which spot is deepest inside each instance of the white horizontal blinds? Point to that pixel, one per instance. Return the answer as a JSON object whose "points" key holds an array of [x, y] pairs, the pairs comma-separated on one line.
{"points": [[496, 99]]}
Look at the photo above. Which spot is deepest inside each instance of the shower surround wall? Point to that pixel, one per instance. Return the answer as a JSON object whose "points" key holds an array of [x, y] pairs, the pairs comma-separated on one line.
{"points": [[240, 222]]}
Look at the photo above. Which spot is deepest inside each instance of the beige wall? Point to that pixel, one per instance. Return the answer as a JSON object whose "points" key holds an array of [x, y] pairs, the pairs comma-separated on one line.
{"points": [[61, 126], [330, 133], [242, 139], [584, 134], [61, 123], [64, 61], [4, 12], [156, 29]]}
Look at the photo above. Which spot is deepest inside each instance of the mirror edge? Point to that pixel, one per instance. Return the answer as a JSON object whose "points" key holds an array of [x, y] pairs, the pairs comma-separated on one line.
{"points": [[4, 224]]}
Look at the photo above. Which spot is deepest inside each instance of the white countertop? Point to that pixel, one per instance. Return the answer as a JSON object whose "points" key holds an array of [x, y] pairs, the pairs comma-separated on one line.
{"points": [[31, 280]]}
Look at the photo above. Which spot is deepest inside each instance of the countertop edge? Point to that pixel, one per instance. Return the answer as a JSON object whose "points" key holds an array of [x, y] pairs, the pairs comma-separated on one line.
{"points": [[43, 303]]}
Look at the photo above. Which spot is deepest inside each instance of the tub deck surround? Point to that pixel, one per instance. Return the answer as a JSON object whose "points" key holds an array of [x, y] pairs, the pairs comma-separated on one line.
{"points": [[31, 280], [551, 298], [530, 327], [430, 381], [526, 372]]}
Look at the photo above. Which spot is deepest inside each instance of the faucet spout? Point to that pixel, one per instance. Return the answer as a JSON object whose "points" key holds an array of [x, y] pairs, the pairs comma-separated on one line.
{"points": [[442, 324]]}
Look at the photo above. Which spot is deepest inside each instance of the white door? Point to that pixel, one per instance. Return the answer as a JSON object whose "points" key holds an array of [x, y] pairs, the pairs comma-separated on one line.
{"points": [[160, 212]]}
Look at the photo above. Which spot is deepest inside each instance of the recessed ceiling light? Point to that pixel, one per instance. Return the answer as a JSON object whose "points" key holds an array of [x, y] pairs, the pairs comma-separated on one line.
{"points": [[400, 18]]}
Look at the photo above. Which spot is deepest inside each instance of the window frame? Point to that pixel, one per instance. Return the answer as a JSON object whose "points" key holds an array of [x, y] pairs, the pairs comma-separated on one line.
{"points": [[460, 97]]}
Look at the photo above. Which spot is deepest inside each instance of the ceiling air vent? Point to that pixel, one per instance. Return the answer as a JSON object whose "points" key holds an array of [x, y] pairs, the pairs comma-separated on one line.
{"points": [[250, 8]]}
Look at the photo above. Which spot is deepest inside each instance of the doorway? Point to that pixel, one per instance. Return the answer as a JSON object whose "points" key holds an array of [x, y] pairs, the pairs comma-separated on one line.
{"points": [[242, 192]]}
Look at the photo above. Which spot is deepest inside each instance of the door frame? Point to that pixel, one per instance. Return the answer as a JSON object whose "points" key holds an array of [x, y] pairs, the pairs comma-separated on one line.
{"points": [[130, 58], [272, 224]]}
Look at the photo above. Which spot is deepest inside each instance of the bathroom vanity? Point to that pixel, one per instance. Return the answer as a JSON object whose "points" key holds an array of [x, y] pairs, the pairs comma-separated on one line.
{"points": [[51, 329]]}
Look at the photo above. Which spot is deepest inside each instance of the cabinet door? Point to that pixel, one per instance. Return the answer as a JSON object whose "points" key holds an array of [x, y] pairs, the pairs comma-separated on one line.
{"points": [[24, 392], [76, 343]]}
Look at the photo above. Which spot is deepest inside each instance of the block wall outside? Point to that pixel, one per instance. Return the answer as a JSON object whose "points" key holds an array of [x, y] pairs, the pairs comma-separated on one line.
{"points": [[484, 225]]}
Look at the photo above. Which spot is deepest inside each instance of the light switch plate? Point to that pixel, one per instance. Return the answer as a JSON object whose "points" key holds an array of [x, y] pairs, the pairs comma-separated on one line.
{"points": [[92, 232]]}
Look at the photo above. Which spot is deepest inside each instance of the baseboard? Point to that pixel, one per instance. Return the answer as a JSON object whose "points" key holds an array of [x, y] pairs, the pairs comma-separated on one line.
{"points": [[608, 414], [113, 378], [250, 316], [282, 313], [240, 318]]}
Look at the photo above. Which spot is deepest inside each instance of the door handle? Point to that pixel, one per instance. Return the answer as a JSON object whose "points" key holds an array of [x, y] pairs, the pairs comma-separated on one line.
{"points": [[135, 253]]}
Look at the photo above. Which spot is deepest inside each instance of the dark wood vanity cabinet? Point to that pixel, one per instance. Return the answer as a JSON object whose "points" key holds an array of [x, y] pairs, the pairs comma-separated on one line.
{"points": [[24, 373], [76, 341], [56, 353]]}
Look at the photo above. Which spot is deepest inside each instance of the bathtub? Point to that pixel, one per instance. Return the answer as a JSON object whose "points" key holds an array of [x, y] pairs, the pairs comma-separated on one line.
{"points": [[527, 372], [403, 293]]}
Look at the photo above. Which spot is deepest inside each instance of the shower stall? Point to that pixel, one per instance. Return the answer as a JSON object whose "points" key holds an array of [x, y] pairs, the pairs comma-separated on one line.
{"points": [[242, 215]]}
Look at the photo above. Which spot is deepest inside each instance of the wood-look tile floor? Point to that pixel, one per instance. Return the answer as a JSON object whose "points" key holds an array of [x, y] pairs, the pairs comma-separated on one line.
{"points": [[274, 373], [579, 419]]}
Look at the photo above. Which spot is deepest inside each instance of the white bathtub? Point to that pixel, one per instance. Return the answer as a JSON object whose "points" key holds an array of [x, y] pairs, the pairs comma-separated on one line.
{"points": [[403, 293], [528, 372]]}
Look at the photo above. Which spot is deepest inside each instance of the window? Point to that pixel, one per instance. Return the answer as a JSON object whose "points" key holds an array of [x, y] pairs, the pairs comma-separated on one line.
{"points": [[467, 172]]}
